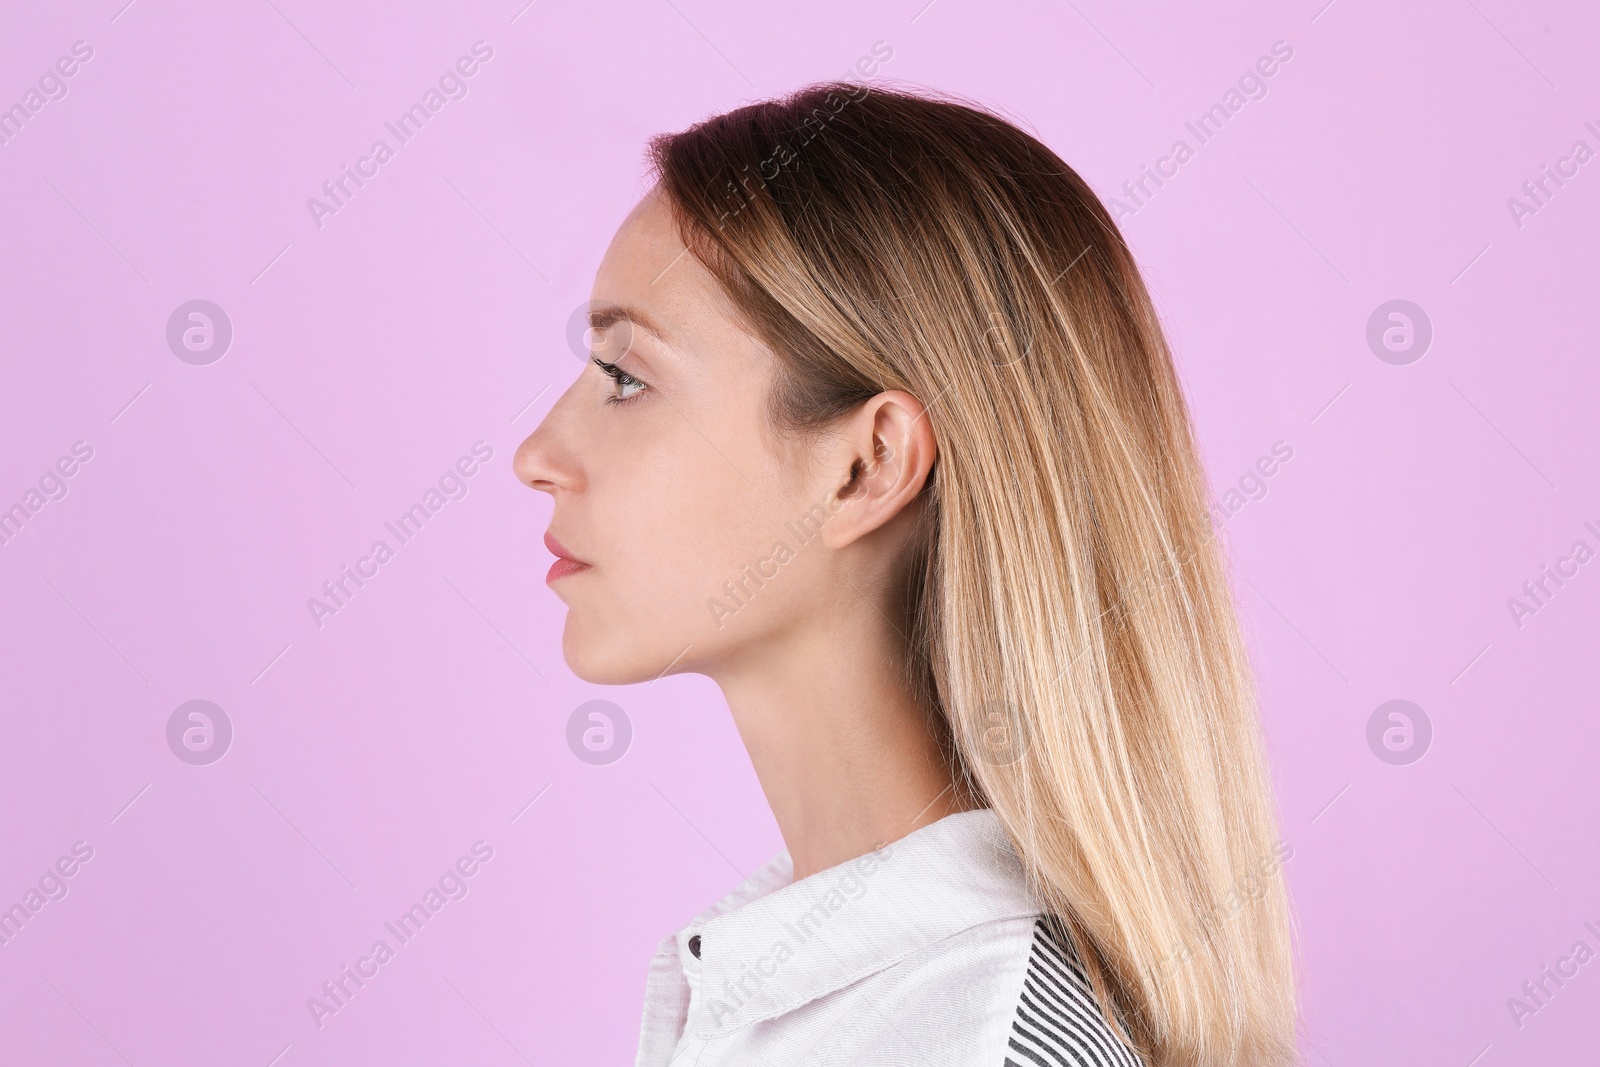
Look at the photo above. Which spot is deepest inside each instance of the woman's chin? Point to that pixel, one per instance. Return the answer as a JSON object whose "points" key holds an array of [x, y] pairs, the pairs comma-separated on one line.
{"points": [[606, 658]]}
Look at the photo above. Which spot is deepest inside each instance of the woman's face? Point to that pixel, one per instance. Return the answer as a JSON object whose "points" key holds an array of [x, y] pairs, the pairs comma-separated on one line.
{"points": [[671, 491]]}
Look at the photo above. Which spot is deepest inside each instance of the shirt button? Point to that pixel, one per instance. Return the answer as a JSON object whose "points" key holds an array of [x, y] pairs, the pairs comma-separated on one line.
{"points": [[694, 945]]}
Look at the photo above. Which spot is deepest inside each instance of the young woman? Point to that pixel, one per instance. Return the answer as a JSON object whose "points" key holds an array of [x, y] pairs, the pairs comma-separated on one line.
{"points": [[882, 435]]}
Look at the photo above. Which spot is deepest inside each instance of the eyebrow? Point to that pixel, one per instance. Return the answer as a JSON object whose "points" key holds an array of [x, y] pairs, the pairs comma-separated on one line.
{"points": [[610, 314]]}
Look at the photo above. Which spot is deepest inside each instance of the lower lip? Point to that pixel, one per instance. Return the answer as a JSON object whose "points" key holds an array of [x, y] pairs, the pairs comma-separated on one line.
{"points": [[563, 567]]}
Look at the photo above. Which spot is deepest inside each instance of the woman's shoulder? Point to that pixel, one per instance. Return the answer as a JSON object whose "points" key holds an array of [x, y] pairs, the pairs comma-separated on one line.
{"points": [[1008, 993]]}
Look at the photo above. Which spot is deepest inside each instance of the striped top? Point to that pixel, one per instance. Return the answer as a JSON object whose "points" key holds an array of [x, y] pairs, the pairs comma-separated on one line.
{"points": [[1059, 1022]]}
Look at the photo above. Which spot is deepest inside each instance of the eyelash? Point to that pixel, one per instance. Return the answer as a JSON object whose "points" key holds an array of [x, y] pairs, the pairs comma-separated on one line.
{"points": [[619, 377]]}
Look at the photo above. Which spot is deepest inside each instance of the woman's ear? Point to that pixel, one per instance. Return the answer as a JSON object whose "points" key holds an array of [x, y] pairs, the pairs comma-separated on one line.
{"points": [[882, 454]]}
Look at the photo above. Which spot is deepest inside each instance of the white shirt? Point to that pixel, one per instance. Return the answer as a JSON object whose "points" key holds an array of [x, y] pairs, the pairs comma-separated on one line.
{"points": [[929, 951]]}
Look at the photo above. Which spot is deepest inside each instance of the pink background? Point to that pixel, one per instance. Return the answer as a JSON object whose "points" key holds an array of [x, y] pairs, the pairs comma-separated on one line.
{"points": [[430, 313]]}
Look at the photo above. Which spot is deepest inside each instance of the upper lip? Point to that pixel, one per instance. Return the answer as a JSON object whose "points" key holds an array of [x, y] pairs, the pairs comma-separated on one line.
{"points": [[557, 549]]}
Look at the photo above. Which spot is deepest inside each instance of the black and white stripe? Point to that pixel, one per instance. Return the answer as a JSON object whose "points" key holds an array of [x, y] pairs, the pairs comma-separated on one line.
{"points": [[1059, 1023]]}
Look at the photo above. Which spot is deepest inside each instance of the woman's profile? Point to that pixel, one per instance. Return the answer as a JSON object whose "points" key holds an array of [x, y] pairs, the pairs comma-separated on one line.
{"points": [[881, 433]]}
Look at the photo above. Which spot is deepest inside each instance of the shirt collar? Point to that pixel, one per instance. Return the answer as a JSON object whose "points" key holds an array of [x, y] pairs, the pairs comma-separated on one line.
{"points": [[773, 944]]}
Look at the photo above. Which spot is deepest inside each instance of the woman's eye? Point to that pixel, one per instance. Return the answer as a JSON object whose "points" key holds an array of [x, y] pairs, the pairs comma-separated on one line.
{"points": [[625, 386]]}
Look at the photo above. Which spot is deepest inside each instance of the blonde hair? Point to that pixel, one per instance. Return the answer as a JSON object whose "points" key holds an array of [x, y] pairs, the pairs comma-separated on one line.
{"points": [[1067, 605]]}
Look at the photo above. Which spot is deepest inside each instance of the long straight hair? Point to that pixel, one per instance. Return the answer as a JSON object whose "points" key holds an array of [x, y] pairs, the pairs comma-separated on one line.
{"points": [[1067, 611]]}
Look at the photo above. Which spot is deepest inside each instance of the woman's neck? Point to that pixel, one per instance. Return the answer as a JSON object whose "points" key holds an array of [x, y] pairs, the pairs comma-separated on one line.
{"points": [[847, 759]]}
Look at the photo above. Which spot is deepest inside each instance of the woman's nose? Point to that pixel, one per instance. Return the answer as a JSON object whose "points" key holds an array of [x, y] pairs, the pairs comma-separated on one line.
{"points": [[547, 459]]}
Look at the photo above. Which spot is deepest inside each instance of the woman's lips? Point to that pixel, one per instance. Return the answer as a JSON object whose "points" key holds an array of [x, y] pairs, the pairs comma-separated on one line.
{"points": [[563, 567], [565, 563]]}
